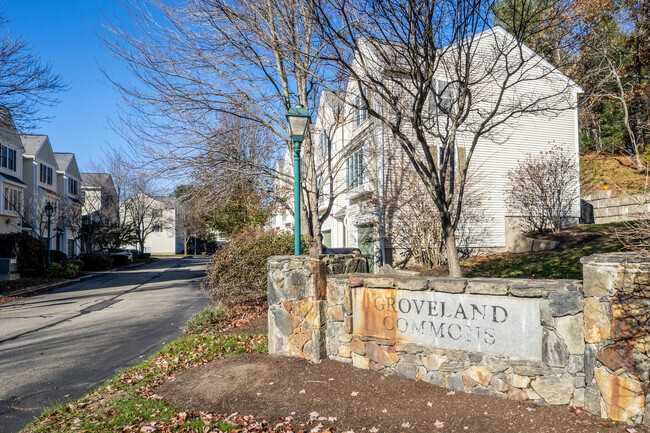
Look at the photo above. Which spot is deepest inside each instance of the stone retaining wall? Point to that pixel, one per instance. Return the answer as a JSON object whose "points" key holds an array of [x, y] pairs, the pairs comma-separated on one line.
{"points": [[600, 207], [545, 341]]}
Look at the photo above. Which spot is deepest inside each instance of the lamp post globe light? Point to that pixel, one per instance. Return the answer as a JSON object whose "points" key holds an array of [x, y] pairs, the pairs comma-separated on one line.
{"points": [[48, 213], [298, 117]]}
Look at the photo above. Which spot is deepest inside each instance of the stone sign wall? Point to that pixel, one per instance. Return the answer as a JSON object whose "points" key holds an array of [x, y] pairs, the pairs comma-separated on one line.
{"points": [[545, 341]]}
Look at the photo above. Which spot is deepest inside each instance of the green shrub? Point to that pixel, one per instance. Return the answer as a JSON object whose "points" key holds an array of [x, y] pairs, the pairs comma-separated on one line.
{"points": [[238, 270], [29, 251], [206, 320], [57, 256], [78, 263], [120, 260], [64, 270], [96, 261]]}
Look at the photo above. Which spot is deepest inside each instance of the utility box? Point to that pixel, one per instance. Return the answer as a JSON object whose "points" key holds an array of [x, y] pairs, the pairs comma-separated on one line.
{"points": [[9, 269]]}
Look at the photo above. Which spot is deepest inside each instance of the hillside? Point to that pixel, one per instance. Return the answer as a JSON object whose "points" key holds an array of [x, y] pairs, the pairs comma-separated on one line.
{"points": [[614, 170]]}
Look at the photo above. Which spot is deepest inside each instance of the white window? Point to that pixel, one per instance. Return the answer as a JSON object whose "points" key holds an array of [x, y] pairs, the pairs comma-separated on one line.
{"points": [[445, 98], [156, 213], [46, 174], [73, 186], [324, 145], [7, 158], [361, 112], [354, 170], [321, 190], [12, 199]]}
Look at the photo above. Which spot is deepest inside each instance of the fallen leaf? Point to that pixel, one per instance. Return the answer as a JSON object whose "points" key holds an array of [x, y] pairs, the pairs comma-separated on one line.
{"points": [[530, 409], [406, 425], [384, 411], [429, 404], [354, 394], [630, 430], [451, 393], [302, 391], [577, 410], [373, 430], [439, 424]]}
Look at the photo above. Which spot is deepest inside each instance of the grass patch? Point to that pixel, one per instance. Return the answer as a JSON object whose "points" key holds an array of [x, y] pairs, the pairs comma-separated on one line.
{"points": [[578, 242], [206, 320], [128, 403], [15, 286]]}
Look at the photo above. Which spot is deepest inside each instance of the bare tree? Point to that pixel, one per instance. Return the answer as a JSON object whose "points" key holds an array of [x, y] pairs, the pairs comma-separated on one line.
{"points": [[438, 79], [199, 64], [543, 191], [25, 82]]}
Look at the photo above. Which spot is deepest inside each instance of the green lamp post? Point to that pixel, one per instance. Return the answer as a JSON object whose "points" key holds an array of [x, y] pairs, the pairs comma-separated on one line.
{"points": [[48, 213], [298, 117]]}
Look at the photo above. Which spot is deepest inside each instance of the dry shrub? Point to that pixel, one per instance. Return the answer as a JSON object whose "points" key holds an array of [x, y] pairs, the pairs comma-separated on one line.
{"points": [[543, 190], [238, 272]]}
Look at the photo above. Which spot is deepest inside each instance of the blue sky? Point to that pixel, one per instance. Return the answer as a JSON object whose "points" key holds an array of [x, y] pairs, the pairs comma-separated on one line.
{"points": [[61, 32]]}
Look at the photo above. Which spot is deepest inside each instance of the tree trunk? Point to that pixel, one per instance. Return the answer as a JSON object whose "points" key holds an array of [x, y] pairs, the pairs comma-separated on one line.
{"points": [[452, 251]]}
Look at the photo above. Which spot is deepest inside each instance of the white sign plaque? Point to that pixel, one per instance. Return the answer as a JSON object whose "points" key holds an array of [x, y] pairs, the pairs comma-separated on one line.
{"points": [[496, 325]]}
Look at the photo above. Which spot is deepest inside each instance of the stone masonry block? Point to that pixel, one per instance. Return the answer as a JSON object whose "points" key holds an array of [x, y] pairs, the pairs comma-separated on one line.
{"points": [[599, 280], [448, 285], [598, 327], [413, 284], [565, 303], [485, 286]]}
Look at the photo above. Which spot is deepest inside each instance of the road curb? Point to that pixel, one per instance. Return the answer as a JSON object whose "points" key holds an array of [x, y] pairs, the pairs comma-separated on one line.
{"points": [[43, 289]]}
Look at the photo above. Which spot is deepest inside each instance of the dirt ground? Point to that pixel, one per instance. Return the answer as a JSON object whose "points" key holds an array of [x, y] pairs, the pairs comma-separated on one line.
{"points": [[346, 399]]}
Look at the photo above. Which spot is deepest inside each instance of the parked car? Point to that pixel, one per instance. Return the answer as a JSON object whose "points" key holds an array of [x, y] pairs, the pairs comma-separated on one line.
{"points": [[119, 252]]}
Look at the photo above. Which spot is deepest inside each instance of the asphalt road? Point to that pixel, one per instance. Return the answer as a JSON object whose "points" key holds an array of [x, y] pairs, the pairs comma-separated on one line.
{"points": [[57, 346]]}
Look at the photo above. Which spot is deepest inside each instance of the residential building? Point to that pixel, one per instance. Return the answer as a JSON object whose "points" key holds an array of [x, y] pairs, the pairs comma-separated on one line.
{"points": [[154, 217], [100, 209], [100, 200], [373, 179], [11, 176], [40, 176], [70, 204]]}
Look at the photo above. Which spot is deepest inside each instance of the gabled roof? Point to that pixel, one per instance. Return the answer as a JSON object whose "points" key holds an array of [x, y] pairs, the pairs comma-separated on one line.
{"points": [[388, 52], [8, 132], [63, 159], [32, 143], [96, 180]]}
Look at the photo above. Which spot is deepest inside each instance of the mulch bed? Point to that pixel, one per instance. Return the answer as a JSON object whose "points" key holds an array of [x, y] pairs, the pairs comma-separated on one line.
{"points": [[337, 396]]}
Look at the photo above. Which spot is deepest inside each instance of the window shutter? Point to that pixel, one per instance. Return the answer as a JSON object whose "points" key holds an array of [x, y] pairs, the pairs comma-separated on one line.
{"points": [[434, 155], [462, 158]]}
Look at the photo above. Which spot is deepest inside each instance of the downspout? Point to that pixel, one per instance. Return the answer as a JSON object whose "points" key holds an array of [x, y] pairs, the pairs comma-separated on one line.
{"points": [[380, 199]]}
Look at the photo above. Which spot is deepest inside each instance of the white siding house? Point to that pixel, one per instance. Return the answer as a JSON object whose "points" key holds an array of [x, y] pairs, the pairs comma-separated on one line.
{"points": [[376, 174], [11, 177], [40, 176], [69, 187], [155, 216]]}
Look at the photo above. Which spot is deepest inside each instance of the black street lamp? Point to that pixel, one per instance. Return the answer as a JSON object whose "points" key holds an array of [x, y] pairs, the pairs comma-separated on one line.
{"points": [[48, 212], [298, 117]]}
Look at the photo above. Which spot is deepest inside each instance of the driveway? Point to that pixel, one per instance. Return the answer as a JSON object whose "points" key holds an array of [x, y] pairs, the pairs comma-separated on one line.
{"points": [[59, 345]]}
